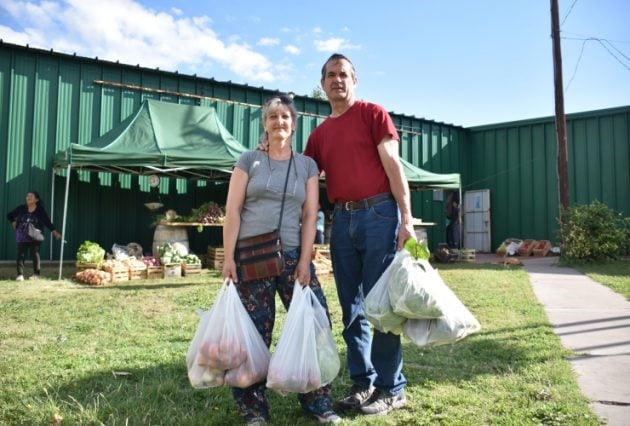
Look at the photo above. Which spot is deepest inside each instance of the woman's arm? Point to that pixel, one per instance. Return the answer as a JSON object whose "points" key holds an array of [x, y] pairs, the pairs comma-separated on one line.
{"points": [[233, 206], [307, 232], [42, 216]]}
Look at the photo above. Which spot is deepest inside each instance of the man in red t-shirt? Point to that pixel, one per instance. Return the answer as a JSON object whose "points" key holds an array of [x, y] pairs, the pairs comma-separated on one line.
{"points": [[357, 148]]}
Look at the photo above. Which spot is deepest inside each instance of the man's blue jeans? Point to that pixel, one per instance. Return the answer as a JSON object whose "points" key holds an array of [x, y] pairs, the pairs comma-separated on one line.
{"points": [[362, 245]]}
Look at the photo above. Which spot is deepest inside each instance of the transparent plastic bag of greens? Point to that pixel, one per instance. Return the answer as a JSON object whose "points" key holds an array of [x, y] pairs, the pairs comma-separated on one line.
{"points": [[455, 323], [227, 348], [414, 288], [378, 309], [306, 356]]}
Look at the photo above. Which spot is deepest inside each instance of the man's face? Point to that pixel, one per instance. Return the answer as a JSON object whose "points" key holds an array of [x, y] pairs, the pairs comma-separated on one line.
{"points": [[339, 80]]}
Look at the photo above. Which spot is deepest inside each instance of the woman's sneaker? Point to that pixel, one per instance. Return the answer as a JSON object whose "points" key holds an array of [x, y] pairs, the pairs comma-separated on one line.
{"points": [[381, 403], [19, 278], [327, 417]]}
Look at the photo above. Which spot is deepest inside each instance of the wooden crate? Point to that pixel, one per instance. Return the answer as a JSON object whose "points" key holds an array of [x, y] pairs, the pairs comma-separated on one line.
{"points": [[173, 270], [154, 272], [465, 255], [542, 247], [215, 257], [119, 274], [526, 248], [191, 269], [137, 273], [84, 266]]}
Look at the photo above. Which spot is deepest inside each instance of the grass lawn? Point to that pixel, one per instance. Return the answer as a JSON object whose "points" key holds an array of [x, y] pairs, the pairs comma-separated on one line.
{"points": [[614, 274], [115, 355]]}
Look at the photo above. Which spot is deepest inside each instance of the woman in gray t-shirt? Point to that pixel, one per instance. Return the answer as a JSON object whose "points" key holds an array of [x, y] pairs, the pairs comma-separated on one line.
{"points": [[252, 208]]}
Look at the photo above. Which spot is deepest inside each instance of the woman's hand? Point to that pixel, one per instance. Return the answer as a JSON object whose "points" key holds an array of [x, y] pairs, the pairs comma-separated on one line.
{"points": [[56, 234], [14, 224], [303, 272], [229, 270]]}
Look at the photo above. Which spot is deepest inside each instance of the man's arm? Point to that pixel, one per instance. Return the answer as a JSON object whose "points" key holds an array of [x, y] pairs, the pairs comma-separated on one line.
{"points": [[388, 152]]}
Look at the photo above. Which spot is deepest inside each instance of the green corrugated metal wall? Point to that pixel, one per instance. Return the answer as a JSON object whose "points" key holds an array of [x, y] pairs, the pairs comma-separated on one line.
{"points": [[517, 162], [49, 100]]}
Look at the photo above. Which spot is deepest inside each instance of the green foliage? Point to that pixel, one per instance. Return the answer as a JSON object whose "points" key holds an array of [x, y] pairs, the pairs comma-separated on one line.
{"points": [[318, 93], [593, 233]]}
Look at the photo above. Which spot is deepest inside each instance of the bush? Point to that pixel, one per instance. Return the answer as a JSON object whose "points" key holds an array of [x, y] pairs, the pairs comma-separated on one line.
{"points": [[593, 233]]}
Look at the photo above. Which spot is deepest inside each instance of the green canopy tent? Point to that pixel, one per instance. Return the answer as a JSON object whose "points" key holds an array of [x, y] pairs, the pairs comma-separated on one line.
{"points": [[184, 141], [421, 179]]}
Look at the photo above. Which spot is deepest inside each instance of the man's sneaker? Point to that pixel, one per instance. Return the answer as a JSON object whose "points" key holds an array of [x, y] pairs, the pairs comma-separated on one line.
{"points": [[256, 421], [327, 417], [381, 403], [355, 398], [19, 278], [33, 277]]}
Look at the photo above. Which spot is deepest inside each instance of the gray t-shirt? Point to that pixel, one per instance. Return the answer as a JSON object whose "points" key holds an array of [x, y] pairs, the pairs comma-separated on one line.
{"points": [[261, 210]]}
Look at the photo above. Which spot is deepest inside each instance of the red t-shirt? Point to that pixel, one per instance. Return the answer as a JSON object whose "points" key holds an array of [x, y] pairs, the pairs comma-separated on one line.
{"points": [[345, 148]]}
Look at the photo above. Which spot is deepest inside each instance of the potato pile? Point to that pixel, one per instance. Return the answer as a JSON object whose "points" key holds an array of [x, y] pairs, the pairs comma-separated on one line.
{"points": [[93, 277]]}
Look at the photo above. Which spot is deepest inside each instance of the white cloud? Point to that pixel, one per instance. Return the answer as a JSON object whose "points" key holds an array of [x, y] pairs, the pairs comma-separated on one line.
{"points": [[334, 45], [293, 50], [268, 41], [132, 33]]}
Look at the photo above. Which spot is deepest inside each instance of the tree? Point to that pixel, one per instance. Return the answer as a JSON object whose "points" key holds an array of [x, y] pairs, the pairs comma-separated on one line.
{"points": [[318, 93]]}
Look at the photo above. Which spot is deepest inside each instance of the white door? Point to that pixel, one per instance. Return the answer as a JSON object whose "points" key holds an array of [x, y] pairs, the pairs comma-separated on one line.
{"points": [[477, 220]]}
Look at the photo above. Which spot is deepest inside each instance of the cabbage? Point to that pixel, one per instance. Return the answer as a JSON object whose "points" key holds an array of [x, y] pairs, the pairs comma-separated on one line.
{"points": [[90, 252]]}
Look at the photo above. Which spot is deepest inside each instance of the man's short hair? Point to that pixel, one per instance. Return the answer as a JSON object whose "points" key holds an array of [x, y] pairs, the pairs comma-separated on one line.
{"points": [[334, 58]]}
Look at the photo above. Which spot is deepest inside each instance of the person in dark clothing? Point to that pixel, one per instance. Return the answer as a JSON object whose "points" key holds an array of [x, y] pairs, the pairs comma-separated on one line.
{"points": [[454, 225], [31, 212]]}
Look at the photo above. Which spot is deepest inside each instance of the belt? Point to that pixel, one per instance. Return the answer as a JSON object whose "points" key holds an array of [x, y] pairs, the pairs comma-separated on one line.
{"points": [[365, 203]]}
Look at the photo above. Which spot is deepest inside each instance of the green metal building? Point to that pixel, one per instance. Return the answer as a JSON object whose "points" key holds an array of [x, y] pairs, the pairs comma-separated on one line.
{"points": [[49, 100]]}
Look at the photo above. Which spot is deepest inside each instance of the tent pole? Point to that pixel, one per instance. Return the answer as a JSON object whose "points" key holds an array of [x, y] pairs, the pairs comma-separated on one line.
{"points": [[63, 222], [461, 225], [52, 209]]}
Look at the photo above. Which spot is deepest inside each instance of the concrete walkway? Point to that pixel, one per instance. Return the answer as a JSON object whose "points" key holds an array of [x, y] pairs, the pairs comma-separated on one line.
{"points": [[594, 322]]}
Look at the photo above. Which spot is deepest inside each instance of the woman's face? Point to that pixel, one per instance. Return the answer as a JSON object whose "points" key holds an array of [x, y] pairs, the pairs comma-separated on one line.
{"points": [[31, 198], [279, 123]]}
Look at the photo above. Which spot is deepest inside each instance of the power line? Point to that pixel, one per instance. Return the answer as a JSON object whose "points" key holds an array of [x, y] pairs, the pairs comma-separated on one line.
{"points": [[568, 13], [602, 42]]}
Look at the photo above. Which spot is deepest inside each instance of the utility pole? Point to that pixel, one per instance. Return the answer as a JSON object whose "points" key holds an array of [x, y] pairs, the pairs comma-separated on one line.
{"points": [[561, 124]]}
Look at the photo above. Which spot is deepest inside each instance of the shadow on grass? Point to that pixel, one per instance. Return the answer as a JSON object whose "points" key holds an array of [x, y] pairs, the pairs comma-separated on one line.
{"points": [[160, 395]]}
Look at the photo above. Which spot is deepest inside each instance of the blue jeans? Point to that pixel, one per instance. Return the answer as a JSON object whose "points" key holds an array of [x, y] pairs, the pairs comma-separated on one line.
{"points": [[362, 245]]}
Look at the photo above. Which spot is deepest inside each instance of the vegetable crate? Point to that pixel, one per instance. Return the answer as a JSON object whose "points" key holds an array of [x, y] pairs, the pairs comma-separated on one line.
{"points": [[137, 273], [173, 270], [526, 248], [119, 274], [191, 269], [84, 266], [542, 247], [154, 272]]}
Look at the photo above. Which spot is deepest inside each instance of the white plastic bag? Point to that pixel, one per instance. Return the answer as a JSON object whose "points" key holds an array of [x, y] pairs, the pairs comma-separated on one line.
{"points": [[378, 309], [455, 323], [227, 349], [306, 356], [414, 288]]}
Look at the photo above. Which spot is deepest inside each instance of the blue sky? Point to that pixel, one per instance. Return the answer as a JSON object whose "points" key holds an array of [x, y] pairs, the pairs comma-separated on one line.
{"points": [[454, 61]]}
